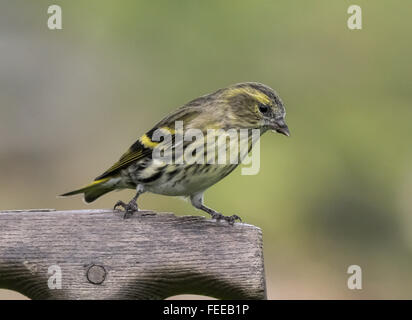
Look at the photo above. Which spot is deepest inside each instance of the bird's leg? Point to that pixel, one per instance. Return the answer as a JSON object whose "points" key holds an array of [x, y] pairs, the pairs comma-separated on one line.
{"points": [[131, 207], [197, 202]]}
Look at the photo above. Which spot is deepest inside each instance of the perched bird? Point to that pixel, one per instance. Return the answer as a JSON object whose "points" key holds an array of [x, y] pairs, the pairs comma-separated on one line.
{"points": [[244, 106]]}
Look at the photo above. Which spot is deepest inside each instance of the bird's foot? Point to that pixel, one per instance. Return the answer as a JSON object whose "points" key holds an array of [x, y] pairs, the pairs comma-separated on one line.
{"points": [[129, 208], [230, 219]]}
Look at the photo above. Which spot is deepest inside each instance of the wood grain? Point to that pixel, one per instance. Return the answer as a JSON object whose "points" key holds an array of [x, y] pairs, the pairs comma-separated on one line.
{"points": [[148, 256]]}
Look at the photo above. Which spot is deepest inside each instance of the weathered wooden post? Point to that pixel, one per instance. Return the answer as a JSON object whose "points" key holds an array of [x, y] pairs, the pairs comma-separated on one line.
{"points": [[149, 256]]}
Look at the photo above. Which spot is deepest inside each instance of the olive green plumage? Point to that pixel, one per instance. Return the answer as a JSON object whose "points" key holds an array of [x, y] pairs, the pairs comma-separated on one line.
{"points": [[243, 106]]}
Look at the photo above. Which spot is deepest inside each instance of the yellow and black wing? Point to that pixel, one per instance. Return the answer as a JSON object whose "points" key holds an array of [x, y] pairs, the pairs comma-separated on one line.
{"points": [[143, 147]]}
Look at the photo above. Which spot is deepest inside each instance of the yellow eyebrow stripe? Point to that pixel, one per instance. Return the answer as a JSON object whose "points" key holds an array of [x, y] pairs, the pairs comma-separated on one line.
{"points": [[256, 94]]}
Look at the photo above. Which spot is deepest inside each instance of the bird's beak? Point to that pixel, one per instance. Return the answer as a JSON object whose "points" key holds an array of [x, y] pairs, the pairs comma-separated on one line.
{"points": [[280, 127]]}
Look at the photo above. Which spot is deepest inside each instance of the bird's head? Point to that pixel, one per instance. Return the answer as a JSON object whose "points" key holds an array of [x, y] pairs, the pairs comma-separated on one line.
{"points": [[255, 105]]}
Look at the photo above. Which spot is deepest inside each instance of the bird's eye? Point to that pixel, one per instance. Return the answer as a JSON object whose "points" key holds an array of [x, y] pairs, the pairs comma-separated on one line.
{"points": [[263, 108]]}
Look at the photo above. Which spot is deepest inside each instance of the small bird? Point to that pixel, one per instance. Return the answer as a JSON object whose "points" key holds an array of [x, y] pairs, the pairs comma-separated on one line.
{"points": [[243, 106]]}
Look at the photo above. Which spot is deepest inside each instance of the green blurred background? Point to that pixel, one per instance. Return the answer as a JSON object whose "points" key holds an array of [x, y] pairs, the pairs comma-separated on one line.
{"points": [[337, 193]]}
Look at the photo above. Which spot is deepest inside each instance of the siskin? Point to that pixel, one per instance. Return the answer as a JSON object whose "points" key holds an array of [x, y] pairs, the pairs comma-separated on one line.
{"points": [[244, 106]]}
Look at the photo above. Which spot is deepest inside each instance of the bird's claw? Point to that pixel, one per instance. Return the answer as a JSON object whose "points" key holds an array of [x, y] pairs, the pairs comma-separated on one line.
{"points": [[230, 219], [129, 208]]}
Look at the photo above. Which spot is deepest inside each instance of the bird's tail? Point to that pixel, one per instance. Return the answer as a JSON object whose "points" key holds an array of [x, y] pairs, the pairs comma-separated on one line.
{"points": [[94, 190]]}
